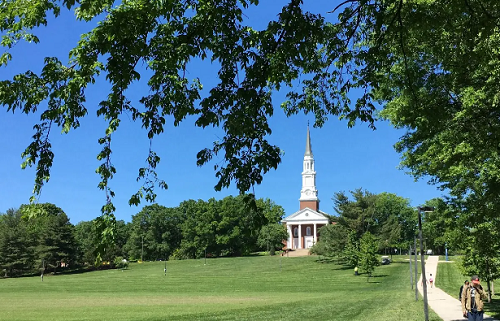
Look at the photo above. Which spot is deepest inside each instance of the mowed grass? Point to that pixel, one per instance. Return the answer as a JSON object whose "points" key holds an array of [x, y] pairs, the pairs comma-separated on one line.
{"points": [[450, 279], [249, 288]]}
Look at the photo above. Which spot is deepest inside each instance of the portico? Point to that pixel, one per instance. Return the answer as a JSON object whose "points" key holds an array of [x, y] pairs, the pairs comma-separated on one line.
{"points": [[303, 227]]}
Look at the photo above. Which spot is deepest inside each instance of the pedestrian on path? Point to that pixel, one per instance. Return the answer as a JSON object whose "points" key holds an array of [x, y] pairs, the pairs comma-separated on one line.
{"points": [[431, 280], [472, 300], [356, 270], [465, 285]]}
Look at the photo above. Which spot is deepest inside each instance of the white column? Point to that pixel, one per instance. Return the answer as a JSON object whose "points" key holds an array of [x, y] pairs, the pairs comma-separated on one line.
{"points": [[315, 240], [300, 237], [290, 236]]}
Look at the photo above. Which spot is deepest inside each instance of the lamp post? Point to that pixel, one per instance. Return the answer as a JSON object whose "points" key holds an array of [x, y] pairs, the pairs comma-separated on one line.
{"points": [[416, 266], [411, 273], [446, 250], [142, 249], [422, 257]]}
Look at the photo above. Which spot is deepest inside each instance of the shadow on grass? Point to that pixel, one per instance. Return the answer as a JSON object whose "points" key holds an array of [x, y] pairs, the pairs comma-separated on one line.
{"points": [[402, 262], [342, 268], [493, 308], [379, 276], [62, 272], [369, 279], [326, 259]]}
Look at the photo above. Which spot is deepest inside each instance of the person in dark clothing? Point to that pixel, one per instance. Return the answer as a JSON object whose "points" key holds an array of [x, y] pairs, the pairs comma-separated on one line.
{"points": [[466, 284]]}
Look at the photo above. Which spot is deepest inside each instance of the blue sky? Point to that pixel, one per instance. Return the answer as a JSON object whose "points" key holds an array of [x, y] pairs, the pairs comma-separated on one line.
{"points": [[345, 158]]}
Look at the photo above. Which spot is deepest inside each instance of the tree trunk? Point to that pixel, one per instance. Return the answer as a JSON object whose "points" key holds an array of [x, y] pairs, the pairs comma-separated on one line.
{"points": [[489, 291], [488, 280]]}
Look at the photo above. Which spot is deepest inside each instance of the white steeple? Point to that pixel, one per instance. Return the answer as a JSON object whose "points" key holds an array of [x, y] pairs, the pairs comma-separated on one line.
{"points": [[308, 191]]}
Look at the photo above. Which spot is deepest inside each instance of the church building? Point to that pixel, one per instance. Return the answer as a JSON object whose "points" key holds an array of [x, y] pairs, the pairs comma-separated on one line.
{"points": [[303, 225]]}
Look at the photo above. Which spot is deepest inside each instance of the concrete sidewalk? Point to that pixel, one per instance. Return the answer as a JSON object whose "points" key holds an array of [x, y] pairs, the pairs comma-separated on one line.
{"points": [[446, 307]]}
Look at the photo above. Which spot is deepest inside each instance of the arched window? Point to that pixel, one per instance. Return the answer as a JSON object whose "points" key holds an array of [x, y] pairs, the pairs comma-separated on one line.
{"points": [[307, 165], [295, 232], [308, 231]]}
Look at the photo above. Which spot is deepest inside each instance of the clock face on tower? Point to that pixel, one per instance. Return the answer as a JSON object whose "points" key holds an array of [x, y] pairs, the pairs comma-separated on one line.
{"points": [[308, 192]]}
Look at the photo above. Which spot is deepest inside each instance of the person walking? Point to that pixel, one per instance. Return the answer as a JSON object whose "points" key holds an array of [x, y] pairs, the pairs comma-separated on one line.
{"points": [[356, 270], [472, 300], [465, 285], [431, 280]]}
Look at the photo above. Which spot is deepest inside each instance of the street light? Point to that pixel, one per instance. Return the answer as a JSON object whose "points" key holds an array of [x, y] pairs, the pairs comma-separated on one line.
{"points": [[416, 266], [142, 249], [423, 209]]}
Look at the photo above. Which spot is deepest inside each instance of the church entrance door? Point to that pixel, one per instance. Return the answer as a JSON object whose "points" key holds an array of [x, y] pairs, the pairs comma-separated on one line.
{"points": [[308, 240]]}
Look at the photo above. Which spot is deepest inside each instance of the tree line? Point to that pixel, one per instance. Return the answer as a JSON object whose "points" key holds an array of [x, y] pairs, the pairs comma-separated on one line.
{"points": [[41, 237], [385, 223]]}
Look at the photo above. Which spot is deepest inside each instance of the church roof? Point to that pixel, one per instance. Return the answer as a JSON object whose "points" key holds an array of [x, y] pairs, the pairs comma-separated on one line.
{"points": [[308, 144], [306, 214]]}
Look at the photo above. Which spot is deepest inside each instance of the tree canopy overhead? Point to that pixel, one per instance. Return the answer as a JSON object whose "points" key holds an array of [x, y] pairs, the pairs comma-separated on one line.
{"points": [[165, 36], [432, 65]]}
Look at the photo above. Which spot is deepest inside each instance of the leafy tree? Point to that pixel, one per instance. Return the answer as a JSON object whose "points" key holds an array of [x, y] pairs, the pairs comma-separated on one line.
{"points": [[15, 255], [121, 237], [233, 227], [52, 236], [441, 226], [445, 99], [156, 230], [397, 220], [388, 217], [332, 242], [351, 254], [86, 240], [481, 253], [268, 211], [271, 237], [368, 253], [198, 228], [358, 215]]}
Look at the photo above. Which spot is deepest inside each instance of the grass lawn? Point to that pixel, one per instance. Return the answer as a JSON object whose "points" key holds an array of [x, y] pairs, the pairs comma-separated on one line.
{"points": [[450, 257], [449, 279], [250, 288]]}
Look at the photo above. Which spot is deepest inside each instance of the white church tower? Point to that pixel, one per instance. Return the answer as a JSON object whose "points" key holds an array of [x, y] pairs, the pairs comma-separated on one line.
{"points": [[309, 193], [303, 225]]}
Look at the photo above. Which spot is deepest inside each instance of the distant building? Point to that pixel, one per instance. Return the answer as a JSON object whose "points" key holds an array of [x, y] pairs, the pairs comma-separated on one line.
{"points": [[303, 225]]}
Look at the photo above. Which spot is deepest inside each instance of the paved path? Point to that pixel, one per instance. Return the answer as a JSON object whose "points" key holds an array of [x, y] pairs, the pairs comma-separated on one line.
{"points": [[298, 252], [446, 307]]}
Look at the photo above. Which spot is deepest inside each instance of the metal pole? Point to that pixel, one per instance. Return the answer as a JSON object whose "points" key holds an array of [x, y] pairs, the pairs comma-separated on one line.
{"points": [[446, 250], [205, 256], [43, 268], [416, 267], [142, 250], [411, 273], [422, 261]]}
